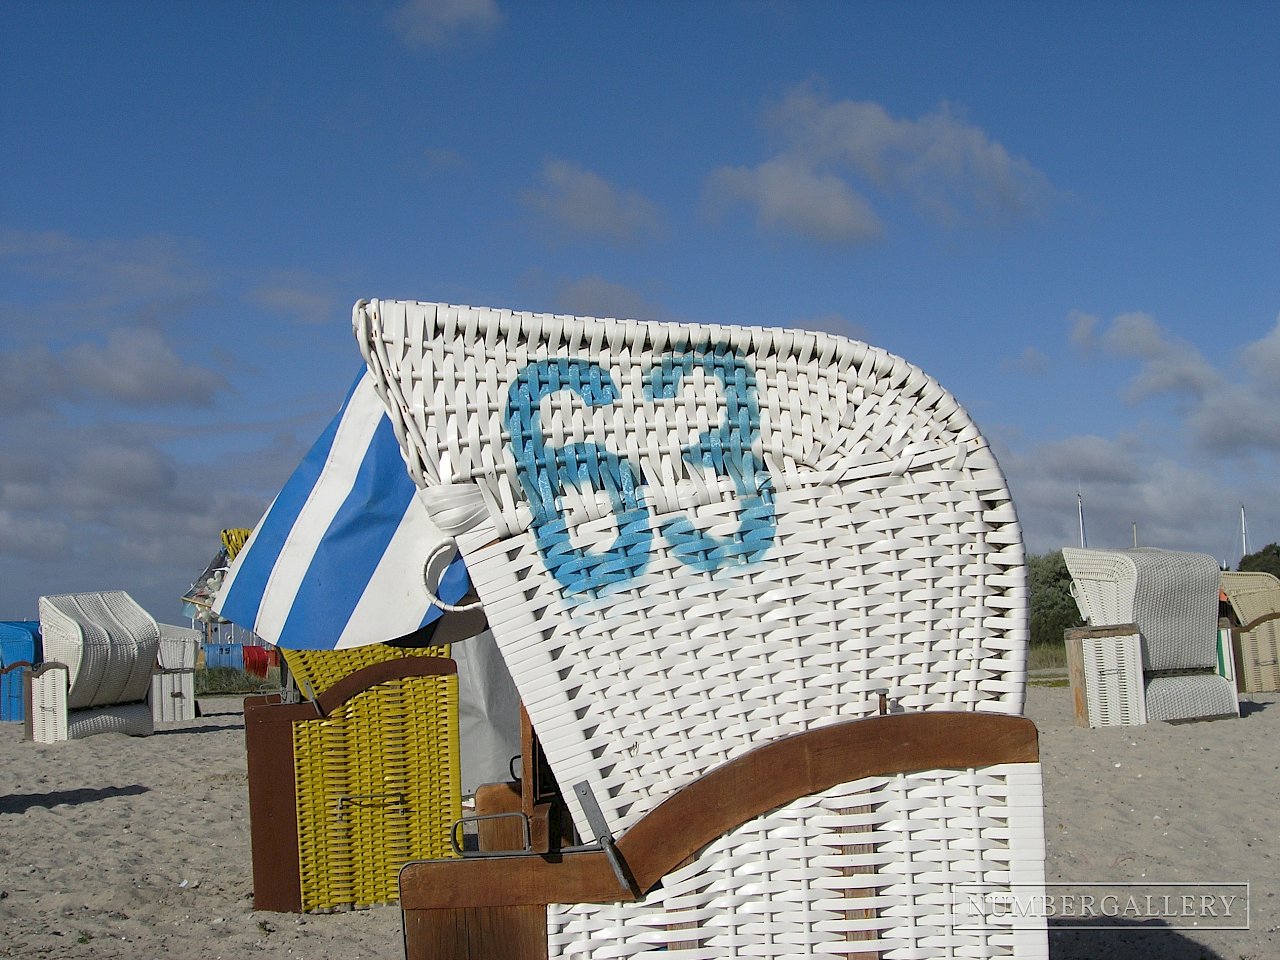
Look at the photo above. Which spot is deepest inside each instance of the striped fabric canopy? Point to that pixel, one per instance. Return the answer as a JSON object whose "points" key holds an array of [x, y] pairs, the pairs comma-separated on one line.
{"points": [[338, 559]]}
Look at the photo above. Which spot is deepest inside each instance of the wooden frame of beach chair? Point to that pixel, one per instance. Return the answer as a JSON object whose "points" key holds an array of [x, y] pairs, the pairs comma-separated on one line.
{"points": [[1172, 597], [173, 685], [1104, 668], [836, 790], [1255, 601], [692, 542], [360, 777]]}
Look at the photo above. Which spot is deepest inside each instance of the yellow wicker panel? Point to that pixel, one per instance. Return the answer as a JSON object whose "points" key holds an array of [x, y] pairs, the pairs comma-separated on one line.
{"points": [[377, 786], [317, 670], [233, 539]]}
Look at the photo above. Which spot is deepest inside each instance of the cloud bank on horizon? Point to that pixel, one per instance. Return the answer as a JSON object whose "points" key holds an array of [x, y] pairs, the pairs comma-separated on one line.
{"points": [[1093, 275]]}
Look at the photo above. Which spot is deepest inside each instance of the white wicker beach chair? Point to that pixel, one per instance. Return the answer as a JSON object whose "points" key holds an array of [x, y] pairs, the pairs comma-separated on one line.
{"points": [[1255, 600], [109, 646], [696, 543], [173, 691], [1172, 598]]}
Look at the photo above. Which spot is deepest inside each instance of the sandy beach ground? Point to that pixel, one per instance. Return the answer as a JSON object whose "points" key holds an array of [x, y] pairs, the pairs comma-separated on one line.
{"points": [[121, 847]]}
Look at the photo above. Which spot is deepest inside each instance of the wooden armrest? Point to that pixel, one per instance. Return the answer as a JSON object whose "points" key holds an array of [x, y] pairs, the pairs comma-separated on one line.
{"points": [[16, 665], [769, 776]]}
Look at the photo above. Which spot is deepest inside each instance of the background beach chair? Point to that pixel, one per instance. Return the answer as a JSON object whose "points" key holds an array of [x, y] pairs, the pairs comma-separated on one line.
{"points": [[109, 646], [1255, 601], [1171, 599], [1104, 665], [711, 556], [173, 690], [359, 778], [19, 651]]}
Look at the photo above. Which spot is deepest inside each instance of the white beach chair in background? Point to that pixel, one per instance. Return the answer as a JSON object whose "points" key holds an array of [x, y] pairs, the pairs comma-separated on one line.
{"points": [[1255, 601], [1171, 599], [108, 646], [712, 558], [173, 685]]}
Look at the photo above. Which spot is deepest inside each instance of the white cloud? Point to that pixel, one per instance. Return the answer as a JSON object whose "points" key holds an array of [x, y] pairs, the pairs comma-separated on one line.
{"points": [[438, 23], [951, 170], [304, 297], [583, 202], [96, 280], [1182, 472], [1084, 329], [1122, 481], [1031, 361], [596, 297], [137, 367], [1168, 364], [789, 194], [29, 538], [947, 166]]}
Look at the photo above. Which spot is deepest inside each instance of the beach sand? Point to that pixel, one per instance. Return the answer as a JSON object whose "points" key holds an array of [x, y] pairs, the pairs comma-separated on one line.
{"points": [[139, 847]]}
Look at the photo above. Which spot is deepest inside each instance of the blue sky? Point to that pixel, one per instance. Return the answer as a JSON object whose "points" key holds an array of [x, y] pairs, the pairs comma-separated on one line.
{"points": [[1067, 213]]}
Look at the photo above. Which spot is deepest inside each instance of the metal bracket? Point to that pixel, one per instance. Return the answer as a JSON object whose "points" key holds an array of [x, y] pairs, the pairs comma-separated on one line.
{"points": [[600, 827], [459, 848]]}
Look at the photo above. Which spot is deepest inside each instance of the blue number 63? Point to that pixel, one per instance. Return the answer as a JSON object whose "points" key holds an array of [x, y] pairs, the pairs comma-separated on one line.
{"points": [[545, 472]]}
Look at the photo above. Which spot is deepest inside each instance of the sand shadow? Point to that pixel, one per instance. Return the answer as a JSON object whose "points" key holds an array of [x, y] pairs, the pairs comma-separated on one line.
{"points": [[21, 802], [1249, 707], [1135, 940]]}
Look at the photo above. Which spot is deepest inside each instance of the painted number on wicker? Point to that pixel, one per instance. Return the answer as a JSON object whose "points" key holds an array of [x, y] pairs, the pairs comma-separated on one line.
{"points": [[728, 451], [545, 472]]}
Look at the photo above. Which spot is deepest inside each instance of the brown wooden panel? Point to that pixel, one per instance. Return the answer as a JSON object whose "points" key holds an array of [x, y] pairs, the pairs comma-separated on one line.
{"points": [[1076, 677], [506, 834], [476, 933], [436, 935], [1116, 630], [509, 933], [273, 816], [509, 881]]}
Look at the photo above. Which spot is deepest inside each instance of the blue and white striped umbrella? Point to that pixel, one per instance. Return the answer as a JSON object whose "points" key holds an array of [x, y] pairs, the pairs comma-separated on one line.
{"points": [[337, 561]]}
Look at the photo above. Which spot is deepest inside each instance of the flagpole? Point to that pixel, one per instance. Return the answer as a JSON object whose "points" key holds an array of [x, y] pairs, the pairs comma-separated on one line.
{"points": [[1080, 511]]}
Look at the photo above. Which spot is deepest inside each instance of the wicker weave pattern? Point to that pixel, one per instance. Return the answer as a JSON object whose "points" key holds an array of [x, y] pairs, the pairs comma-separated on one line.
{"points": [[856, 870], [1255, 595], [377, 785], [179, 647], [173, 696], [1113, 680], [47, 711], [317, 670], [794, 522], [1191, 697], [1171, 596], [132, 719], [108, 643]]}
